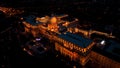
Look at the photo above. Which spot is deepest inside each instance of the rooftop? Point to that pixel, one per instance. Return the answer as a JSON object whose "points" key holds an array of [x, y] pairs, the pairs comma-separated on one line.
{"points": [[114, 48], [31, 19], [111, 49], [76, 39]]}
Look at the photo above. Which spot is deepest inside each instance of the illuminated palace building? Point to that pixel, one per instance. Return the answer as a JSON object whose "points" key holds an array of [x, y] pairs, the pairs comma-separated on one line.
{"points": [[68, 40]]}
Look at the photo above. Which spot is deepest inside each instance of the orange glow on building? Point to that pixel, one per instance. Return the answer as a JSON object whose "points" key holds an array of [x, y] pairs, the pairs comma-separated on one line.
{"points": [[53, 26], [53, 20], [72, 55], [76, 53]]}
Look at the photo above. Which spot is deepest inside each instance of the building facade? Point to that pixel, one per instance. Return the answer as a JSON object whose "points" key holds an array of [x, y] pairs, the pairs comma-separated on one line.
{"points": [[68, 43]]}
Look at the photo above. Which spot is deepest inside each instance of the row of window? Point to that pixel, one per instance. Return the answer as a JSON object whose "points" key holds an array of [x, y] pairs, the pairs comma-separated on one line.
{"points": [[70, 45]]}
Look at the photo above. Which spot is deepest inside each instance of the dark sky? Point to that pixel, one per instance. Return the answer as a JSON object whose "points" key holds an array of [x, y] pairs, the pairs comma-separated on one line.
{"points": [[15, 3], [57, 1]]}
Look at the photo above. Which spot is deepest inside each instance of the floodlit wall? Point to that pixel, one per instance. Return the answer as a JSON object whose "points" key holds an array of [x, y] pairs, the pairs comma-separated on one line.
{"points": [[74, 56], [104, 61]]}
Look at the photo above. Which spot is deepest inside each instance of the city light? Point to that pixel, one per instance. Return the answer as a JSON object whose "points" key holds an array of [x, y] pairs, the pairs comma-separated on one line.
{"points": [[102, 42], [38, 39], [74, 33]]}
